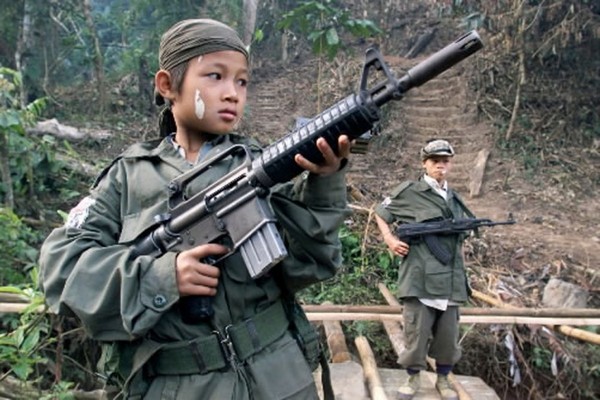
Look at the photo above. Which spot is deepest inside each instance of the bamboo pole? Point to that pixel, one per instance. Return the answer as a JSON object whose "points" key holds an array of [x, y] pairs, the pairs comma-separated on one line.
{"points": [[12, 298], [562, 327], [497, 315], [17, 307], [464, 319], [514, 312], [370, 369]]}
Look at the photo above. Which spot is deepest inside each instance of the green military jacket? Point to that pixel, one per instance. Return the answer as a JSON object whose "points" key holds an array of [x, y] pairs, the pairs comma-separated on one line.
{"points": [[86, 271], [421, 274]]}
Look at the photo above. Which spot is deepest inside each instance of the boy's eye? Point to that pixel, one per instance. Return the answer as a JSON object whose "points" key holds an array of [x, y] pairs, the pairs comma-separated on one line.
{"points": [[243, 82], [214, 75]]}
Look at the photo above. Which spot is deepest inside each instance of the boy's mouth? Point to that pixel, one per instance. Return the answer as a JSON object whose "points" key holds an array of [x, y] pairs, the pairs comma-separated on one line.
{"points": [[228, 114]]}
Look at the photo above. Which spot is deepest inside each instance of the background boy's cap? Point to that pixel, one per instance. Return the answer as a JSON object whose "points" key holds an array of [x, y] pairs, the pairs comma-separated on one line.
{"points": [[437, 147]]}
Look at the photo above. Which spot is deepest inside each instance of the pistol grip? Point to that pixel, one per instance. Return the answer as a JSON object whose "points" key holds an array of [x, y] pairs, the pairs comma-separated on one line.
{"points": [[195, 309]]}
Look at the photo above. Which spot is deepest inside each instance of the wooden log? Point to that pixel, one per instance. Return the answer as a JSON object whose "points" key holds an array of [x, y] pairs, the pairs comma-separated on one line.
{"points": [[562, 327], [336, 341], [476, 175], [387, 295], [370, 369], [394, 332]]}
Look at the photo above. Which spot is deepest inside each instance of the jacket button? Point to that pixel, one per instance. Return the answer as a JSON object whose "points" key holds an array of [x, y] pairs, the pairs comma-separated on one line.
{"points": [[159, 300]]}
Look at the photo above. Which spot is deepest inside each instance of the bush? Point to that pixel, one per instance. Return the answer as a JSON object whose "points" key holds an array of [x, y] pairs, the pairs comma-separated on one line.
{"points": [[19, 257]]}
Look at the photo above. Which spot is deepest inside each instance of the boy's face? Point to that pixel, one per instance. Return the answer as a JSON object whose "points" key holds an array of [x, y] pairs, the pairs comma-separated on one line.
{"points": [[213, 93], [438, 167]]}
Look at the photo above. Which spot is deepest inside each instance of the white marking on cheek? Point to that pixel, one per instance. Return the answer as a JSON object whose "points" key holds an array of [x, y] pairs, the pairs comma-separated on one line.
{"points": [[199, 105], [199, 59]]}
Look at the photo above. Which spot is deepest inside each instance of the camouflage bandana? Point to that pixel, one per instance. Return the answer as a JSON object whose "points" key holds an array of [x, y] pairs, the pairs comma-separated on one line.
{"points": [[194, 37]]}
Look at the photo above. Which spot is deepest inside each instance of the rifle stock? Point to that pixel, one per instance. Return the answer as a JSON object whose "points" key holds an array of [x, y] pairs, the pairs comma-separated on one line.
{"points": [[235, 210]]}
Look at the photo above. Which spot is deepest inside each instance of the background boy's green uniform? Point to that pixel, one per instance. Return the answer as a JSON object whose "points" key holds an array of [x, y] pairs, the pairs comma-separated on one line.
{"points": [[86, 272], [421, 274]]}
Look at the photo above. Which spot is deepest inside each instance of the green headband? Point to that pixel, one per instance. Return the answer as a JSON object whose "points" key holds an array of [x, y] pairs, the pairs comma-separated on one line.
{"points": [[194, 37]]}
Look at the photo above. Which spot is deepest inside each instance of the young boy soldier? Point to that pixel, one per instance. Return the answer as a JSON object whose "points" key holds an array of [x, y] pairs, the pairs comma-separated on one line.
{"points": [[429, 289], [245, 350]]}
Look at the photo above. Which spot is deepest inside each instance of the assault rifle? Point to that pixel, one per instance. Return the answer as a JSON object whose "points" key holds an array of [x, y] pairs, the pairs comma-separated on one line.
{"points": [[235, 210], [428, 231]]}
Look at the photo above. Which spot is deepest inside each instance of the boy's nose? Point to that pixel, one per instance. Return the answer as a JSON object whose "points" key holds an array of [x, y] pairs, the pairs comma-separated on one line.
{"points": [[230, 92]]}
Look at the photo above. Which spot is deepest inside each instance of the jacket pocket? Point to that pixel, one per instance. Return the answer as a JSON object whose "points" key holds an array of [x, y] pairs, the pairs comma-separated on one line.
{"points": [[438, 279]]}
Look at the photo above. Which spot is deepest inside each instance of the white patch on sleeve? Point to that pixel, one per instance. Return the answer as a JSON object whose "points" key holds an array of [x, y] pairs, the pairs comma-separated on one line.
{"points": [[386, 202], [199, 103], [79, 214]]}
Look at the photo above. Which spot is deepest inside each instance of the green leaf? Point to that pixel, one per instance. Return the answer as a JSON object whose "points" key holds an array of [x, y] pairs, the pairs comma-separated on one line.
{"points": [[332, 37], [31, 341], [11, 289], [22, 370], [259, 35], [315, 36], [9, 118]]}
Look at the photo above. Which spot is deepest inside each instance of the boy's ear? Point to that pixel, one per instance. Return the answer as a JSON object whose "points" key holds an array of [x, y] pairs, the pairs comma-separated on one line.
{"points": [[162, 83]]}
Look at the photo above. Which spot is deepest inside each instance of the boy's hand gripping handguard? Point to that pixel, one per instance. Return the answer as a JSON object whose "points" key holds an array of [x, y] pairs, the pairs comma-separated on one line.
{"points": [[235, 211]]}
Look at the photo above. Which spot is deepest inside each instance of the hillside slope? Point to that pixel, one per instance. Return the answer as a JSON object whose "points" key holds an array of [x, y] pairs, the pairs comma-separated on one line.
{"points": [[556, 228]]}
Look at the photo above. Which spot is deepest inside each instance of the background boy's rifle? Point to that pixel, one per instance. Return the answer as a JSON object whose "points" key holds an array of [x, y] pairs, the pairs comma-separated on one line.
{"points": [[428, 231], [235, 210]]}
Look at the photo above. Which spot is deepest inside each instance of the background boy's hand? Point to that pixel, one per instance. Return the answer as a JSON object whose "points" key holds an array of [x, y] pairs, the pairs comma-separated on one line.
{"points": [[396, 246], [194, 277], [332, 161]]}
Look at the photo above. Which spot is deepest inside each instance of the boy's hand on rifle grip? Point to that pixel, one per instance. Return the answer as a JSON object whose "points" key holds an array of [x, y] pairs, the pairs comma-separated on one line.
{"points": [[333, 162], [194, 277], [396, 246]]}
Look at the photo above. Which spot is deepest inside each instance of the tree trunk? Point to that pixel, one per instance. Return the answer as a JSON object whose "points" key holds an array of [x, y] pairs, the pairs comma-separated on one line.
{"points": [[522, 76], [250, 7], [9, 197], [23, 45], [145, 87], [98, 57]]}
